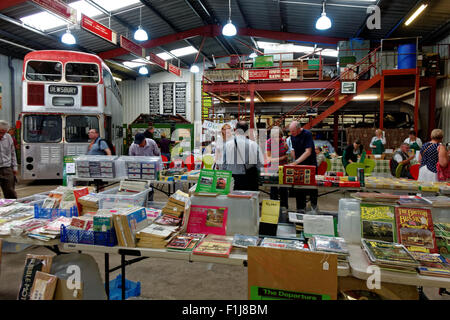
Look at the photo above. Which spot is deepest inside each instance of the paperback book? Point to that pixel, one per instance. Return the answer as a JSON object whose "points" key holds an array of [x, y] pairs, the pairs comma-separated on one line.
{"points": [[378, 222], [415, 229], [388, 254], [243, 241], [277, 243], [214, 181], [214, 245], [193, 238]]}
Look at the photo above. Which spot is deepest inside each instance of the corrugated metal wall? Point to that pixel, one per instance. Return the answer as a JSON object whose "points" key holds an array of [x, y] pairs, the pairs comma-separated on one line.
{"points": [[5, 80], [443, 91], [135, 94]]}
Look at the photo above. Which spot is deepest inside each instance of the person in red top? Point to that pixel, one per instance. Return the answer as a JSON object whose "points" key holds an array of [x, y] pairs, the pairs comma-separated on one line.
{"points": [[277, 155]]}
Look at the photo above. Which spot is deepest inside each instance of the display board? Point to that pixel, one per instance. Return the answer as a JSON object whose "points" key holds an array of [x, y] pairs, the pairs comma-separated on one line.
{"points": [[168, 98], [275, 274], [153, 90], [180, 98]]}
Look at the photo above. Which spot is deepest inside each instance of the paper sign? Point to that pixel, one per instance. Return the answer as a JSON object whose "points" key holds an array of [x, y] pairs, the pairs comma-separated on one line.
{"points": [[270, 211], [70, 168], [98, 29]]}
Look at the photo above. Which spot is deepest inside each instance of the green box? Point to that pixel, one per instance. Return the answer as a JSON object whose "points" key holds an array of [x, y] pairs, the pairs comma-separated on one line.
{"points": [[343, 61], [263, 61], [313, 64]]}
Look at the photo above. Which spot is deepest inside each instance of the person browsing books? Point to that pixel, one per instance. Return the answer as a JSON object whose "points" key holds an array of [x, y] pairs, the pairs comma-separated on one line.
{"points": [[8, 163], [429, 157], [243, 158], [143, 146], [401, 157], [98, 146], [304, 154], [352, 152]]}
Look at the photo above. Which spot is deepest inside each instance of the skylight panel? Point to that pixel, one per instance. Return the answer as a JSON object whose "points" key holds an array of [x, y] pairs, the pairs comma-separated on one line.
{"points": [[43, 21], [116, 5], [183, 51]]}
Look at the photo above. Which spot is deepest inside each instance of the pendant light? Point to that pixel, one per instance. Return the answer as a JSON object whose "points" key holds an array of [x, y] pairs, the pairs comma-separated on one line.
{"points": [[143, 70], [68, 37], [229, 29], [194, 69], [323, 23], [253, 55], [140, 34]]}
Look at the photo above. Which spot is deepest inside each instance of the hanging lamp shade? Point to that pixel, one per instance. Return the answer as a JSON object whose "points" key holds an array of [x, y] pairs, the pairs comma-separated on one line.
{"points": [[143, 70], [140, 34], [194, 69], [229, 29], [68, 38]]}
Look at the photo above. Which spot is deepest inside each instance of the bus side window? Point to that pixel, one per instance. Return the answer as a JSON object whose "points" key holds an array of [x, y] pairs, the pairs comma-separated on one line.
{"points": [[107, 78]]}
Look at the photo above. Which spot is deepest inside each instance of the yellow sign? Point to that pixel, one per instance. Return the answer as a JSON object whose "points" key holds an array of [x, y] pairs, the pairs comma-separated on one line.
{"points": [[270, 211]]}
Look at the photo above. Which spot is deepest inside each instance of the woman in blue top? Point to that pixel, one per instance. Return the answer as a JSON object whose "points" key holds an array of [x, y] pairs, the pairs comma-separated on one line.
{"points": [[429, 157]]}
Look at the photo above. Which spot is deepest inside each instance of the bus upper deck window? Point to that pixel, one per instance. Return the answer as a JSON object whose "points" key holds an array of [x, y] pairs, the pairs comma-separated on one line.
{"points": [[44, 71], [82, 72]]}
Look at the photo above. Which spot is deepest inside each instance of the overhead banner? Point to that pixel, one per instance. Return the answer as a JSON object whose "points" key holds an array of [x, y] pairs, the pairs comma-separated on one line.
{"points": [[59, 8], [271, 74], [98, 29], [158, 61], [175, 70], [132, 47]]}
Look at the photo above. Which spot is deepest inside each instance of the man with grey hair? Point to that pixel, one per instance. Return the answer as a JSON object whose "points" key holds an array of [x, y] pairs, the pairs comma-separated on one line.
{"points": [[401, 157], [8, 162], [304, 154]]}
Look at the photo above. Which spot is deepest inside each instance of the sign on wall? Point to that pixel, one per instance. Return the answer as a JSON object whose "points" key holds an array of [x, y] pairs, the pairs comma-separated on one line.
{"points": [[154, 98], [180, 98], [168, 98]]}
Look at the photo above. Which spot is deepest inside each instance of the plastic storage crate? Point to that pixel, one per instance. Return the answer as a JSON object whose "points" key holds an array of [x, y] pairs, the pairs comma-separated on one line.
{"points": [[98, 167], [97, 238], [132, 289], [44, 213], [145, 168], [109, 199]]}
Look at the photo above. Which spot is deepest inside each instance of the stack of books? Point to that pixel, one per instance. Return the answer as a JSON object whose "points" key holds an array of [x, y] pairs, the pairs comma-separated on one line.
{"points": [[277, 243], [185, 242], [432, 264], [155, 236], [127, 223], [297, 220], [331, 245], [390, 256], [177, 204]]}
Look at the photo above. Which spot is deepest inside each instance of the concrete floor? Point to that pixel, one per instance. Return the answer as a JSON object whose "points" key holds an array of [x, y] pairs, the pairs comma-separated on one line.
{"points": [[161, 279]]}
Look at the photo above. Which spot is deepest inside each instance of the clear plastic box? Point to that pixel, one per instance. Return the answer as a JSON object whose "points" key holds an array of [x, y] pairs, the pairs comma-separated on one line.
{"points": [[141, 167], [110, 199], [32, 200], [349, 220], [97, 166]]}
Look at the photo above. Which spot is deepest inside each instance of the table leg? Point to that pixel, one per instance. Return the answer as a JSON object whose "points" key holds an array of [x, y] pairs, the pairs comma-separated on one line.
{"points": [[123, 275], [107, 274]]}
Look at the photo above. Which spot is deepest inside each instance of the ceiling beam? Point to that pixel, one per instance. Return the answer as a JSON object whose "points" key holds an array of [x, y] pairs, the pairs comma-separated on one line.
{"points": [[247, 24], [14, 37], [171, 25], [215, 30]]}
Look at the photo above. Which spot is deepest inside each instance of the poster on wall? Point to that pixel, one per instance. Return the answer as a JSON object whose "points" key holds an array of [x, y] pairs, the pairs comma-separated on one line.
{"points": [[154, 98], [168, 98], [180, 98]]}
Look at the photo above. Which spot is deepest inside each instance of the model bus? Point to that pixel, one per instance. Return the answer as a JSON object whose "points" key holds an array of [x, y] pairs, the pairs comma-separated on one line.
{"points": [[64, 94]]}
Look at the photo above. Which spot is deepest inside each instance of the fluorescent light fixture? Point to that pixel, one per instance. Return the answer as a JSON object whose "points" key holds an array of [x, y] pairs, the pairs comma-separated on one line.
{"points": [[143, 70], [330, 53], [115, 5], [194, 69], [293, 98], [165, 56], [253, 55], [140, 34], [255, 100], [43, 21], [366, 97], [416, 14], [68, 38], [117, 79], [323, 23], [183, 51]]}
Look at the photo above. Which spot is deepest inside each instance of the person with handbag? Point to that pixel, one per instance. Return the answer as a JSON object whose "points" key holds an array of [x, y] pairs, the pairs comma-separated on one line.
{"points": [[429, 157], [443, 165], [243, 158]]}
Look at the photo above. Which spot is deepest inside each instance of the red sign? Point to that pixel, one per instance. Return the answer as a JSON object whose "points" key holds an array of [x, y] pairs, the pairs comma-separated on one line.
{"points": [[157, 60], [98, 29], [132, 47], [59, 8], [175, 70], [269, 74]]}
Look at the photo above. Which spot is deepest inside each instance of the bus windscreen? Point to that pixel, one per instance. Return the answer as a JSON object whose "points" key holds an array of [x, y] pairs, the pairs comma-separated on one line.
{"points": [[77, 127], [44, 71], [42, 129], [82, 72]]}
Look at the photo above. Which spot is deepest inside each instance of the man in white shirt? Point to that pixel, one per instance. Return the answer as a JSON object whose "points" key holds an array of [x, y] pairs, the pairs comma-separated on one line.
{"points": [[243, 158], [401, 157], [8, 162]]}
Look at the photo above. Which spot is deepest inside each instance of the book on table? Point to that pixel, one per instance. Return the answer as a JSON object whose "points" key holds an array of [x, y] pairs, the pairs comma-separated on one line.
{"points": [[243, 241], [378, 222], [278, 243], [329, 244], [213, 182], [215, 245], [192, 239], [415, 229]]}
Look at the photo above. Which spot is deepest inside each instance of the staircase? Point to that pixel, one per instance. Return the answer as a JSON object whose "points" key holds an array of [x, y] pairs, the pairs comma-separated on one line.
{"points": [[334, 87]]}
